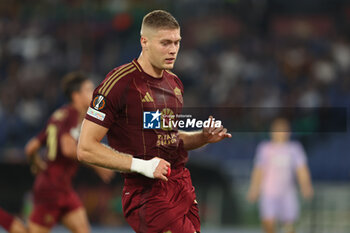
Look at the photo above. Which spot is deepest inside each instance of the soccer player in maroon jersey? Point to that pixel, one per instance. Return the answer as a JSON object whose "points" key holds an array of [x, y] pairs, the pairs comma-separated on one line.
{"points": [[10, 223], [54, 197], [163, 204]]}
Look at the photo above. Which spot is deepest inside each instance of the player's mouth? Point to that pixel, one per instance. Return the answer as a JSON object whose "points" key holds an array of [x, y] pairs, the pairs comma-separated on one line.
{"points": [[169, 60]]}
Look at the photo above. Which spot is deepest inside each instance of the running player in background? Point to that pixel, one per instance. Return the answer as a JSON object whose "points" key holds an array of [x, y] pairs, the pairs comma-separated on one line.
{"points": [[54, 197], [10, 223], [277, 162], [167, 203]]}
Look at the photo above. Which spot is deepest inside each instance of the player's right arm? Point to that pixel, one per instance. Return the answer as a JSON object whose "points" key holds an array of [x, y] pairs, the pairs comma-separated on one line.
{"points": [[32, 147], [31, 150], [92, 151]]}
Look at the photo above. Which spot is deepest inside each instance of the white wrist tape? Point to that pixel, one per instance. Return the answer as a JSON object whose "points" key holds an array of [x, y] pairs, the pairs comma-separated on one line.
{"points": [[144, 167]]}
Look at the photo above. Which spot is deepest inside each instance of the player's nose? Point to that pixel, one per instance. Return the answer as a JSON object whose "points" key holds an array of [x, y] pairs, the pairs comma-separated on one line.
{"points": [[173, 49]]}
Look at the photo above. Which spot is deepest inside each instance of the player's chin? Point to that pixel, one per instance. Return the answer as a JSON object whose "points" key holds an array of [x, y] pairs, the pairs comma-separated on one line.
{"points": [[168, 66]]}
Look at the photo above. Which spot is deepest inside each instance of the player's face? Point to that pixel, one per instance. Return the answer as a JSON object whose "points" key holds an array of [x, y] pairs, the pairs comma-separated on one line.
{"points": [[163, 47], [280, 131], [85, 93]]}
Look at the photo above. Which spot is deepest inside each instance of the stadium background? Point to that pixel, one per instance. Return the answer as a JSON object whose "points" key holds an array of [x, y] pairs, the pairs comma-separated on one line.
{"points": [[234, 53]]}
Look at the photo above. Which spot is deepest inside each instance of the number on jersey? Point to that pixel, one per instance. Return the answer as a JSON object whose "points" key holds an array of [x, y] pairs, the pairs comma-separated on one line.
{"points": [[51, 141]]}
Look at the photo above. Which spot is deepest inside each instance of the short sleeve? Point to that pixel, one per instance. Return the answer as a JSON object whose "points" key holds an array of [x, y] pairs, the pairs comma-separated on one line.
{"points": [[259, 160], [104, 107], [299, 155]]}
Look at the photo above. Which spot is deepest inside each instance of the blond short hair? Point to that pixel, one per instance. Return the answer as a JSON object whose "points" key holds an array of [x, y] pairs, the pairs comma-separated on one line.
{"points": [[159, 19]]}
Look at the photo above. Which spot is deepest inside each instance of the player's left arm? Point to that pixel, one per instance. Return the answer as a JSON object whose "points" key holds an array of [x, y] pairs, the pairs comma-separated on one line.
{"points": [[302, 171], [255, 184], [211, 134], [304, 180], [69, 146], [32, 147]]}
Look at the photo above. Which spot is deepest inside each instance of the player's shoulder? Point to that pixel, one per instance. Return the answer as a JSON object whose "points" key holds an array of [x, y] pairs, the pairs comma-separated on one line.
{"points": [[263, 145], [118, 77], [295, 144], [64, 114], [61, 113], [125, 69], [172, 76]]}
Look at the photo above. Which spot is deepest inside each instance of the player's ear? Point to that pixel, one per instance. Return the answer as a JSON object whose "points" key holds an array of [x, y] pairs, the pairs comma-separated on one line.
{"points": [[144, 42]]}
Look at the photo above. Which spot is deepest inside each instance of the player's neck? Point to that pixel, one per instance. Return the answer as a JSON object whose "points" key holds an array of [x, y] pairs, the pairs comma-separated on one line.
{"points": [[148, 68], [279, 141]]}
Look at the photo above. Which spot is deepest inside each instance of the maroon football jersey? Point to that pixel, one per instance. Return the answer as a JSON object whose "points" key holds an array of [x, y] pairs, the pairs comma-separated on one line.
{"points": [[119, 103], [57, 178]]}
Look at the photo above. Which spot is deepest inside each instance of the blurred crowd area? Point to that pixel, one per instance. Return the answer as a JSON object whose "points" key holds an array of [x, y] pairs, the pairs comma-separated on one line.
{"points": [[234, 53]]}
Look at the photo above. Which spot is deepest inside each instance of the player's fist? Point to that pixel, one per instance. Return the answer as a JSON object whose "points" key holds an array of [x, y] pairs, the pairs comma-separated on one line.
{"points": [[155, 168], [162, 171]]}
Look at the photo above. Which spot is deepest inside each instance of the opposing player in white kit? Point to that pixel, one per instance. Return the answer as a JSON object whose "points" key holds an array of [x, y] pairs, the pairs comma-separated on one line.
{"points": [[277, 163]]}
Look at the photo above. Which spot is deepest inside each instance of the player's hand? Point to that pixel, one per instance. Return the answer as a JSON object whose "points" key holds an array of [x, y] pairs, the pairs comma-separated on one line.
{"points": [[252, 196], [105, 174], [37, 165], [308, 193], [161, 170], [213, 134], [155, 168]]}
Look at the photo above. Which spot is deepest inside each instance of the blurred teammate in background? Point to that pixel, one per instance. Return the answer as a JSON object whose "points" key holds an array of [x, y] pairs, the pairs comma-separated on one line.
{"points": [[167, 203], [11, 223], [54, 197], [276, 164]]}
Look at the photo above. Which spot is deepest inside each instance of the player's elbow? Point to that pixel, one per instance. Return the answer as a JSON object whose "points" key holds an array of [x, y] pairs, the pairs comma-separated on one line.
{"points": [[83, 154]]}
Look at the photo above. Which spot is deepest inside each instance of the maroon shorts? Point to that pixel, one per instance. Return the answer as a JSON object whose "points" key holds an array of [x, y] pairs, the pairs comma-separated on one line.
{"points": [[49, 210], [155, 206], [6, 219]]}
